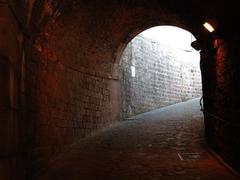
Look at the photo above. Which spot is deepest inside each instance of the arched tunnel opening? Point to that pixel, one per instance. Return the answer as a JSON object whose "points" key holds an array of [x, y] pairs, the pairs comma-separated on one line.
{"points": [[158, 68]]}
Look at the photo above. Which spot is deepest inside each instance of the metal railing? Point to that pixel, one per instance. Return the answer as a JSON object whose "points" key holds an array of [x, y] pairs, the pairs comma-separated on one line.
{"points": [[215, 116]]}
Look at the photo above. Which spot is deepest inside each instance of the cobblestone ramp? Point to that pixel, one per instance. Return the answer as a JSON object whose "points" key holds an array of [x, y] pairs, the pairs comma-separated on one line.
{"points": [[164, 144]]}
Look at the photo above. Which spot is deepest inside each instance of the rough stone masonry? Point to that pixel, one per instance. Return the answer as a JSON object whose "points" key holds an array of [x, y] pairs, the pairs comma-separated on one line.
{"points": [[163, 75]]}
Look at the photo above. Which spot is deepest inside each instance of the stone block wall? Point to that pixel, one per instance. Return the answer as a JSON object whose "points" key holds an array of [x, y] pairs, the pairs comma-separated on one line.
{"points": [[164, 76]]}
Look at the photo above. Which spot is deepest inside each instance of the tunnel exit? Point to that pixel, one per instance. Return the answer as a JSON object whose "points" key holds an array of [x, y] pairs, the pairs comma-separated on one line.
{"points": [[159, 68]]}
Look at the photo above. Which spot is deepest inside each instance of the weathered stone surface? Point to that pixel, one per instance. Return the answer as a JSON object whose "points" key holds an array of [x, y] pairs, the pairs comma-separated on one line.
{"points": [[164, 76], [144, 149]]}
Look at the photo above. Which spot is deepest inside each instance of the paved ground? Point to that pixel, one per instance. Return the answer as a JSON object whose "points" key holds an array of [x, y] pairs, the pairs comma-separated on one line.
{"points": [[148, 148]]}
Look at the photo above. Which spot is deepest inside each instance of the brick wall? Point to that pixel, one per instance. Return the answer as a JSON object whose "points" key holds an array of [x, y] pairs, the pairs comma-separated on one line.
{"points": [[65, 103], [10, 90], [220, 69], [164, 76]]}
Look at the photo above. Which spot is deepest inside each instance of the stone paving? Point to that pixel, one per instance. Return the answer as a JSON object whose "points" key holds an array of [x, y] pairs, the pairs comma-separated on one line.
{"points": [[146, 147]]}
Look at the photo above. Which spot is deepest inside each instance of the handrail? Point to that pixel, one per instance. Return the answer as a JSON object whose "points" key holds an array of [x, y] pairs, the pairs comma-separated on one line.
{"points": [[215, 116]]}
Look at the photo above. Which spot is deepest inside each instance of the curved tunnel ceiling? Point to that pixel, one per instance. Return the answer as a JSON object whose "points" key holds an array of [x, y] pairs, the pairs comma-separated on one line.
{"points": [[193, 12]]}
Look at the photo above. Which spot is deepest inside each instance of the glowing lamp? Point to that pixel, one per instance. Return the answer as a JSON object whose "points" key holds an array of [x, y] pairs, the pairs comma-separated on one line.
{"points": [[209, 27]]}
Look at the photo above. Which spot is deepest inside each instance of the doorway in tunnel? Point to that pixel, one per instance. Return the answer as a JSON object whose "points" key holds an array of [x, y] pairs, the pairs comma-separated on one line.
{"points": [[158, 68]]}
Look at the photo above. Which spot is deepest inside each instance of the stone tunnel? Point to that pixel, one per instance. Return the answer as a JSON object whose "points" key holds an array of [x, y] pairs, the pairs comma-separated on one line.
{"points": [[60, 88]]}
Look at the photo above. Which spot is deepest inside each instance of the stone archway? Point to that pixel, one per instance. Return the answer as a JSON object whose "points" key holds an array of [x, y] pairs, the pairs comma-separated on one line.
{"points": [[165, 67], [138, 26], [71, 77]]}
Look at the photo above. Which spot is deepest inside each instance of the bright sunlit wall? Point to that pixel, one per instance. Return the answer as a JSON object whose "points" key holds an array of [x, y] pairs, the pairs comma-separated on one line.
{"points": [[158, 68]]}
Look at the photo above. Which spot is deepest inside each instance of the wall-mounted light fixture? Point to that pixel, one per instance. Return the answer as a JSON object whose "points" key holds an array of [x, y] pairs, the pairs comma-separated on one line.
{"points": [[196, 45], [209, 27], [209, 40]]}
